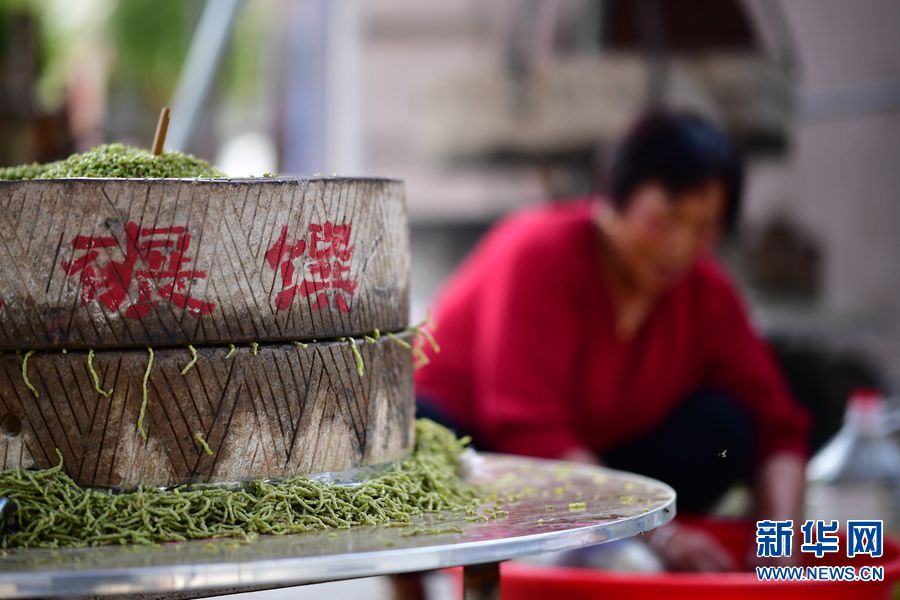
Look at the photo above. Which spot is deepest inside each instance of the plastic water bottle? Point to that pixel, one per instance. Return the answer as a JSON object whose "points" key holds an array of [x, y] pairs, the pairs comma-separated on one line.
{"points": [[856, 475]]}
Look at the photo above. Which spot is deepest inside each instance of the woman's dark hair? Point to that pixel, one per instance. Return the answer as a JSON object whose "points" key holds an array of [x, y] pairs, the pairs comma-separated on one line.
{"points": [[680, 152]]}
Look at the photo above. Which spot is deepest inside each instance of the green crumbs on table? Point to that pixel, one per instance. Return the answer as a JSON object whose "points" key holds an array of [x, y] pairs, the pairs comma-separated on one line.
{"points": [[53, 511], [119, 161]]}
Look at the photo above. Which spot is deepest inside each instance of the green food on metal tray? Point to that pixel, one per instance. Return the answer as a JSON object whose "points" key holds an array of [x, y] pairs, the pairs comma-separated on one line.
{"points": [[118, 161], [53, 511]]}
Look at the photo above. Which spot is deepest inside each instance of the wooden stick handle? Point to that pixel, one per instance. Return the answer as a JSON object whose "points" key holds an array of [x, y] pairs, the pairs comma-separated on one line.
{"points": [[162, 127]]}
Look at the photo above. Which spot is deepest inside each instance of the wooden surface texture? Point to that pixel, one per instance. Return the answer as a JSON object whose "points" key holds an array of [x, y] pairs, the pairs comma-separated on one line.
{"points": [[120, 263], [283, 411]]}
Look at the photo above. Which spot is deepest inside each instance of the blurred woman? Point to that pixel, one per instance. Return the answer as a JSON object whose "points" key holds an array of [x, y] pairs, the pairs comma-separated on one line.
{"points": [[602, 330]]}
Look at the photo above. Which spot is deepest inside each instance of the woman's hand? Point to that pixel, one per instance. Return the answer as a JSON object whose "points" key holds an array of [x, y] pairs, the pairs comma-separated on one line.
{"points": [[685, 548], [779, 491]]}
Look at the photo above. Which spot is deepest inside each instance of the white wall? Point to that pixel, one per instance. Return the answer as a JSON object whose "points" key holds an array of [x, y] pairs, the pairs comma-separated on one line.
{"points": [[843, 180]]}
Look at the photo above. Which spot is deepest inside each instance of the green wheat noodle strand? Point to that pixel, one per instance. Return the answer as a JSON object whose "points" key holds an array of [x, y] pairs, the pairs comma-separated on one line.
{"points": [[28, 383], [192, 362], [399, 340], [255, 348], [421, 358], [231, 351], [143, 411], [357, 355], [54, 512], [116, 160], [202, 441], [300, 344], [96, 377], [429, 338]]}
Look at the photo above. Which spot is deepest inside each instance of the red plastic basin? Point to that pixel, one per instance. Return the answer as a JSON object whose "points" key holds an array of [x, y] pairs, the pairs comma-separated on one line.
{"points": [[532, 582]]}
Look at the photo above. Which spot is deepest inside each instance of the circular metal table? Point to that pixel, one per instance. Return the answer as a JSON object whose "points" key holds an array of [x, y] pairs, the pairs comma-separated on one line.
{"points": [[551, 506]]}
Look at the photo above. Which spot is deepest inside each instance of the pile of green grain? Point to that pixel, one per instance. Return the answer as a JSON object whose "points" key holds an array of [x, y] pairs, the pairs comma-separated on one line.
{"points": [[116, 160], [52, 511]]}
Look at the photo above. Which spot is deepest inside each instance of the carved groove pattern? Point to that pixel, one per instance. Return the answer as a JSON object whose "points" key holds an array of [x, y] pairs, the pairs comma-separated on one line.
{"points": [[232, 223], [284, 411]]}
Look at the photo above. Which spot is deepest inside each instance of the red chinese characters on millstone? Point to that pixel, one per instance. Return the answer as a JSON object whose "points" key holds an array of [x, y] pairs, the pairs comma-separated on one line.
{"points": [[154, 270], [317, 266]]}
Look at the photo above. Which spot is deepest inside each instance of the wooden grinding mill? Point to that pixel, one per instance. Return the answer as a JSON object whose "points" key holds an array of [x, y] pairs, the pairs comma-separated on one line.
{"points": [[235, 314]]}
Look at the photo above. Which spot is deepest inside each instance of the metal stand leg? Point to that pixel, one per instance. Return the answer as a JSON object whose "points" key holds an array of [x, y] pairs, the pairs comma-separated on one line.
{"points": [[482, 582]]}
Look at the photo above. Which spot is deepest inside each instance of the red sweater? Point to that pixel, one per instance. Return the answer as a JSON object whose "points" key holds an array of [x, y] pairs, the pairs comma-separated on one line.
{"points": [[531, 364]]}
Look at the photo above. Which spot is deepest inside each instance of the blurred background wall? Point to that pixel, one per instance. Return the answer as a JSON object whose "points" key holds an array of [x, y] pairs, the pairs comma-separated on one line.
{"points": [[485, 107]]}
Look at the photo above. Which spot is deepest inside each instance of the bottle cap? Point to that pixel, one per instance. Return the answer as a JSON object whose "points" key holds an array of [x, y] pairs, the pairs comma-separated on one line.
{"points": [[865, 410]]}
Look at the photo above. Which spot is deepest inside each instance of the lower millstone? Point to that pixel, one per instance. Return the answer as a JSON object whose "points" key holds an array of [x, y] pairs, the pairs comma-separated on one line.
{"points": [[249, 413]]}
